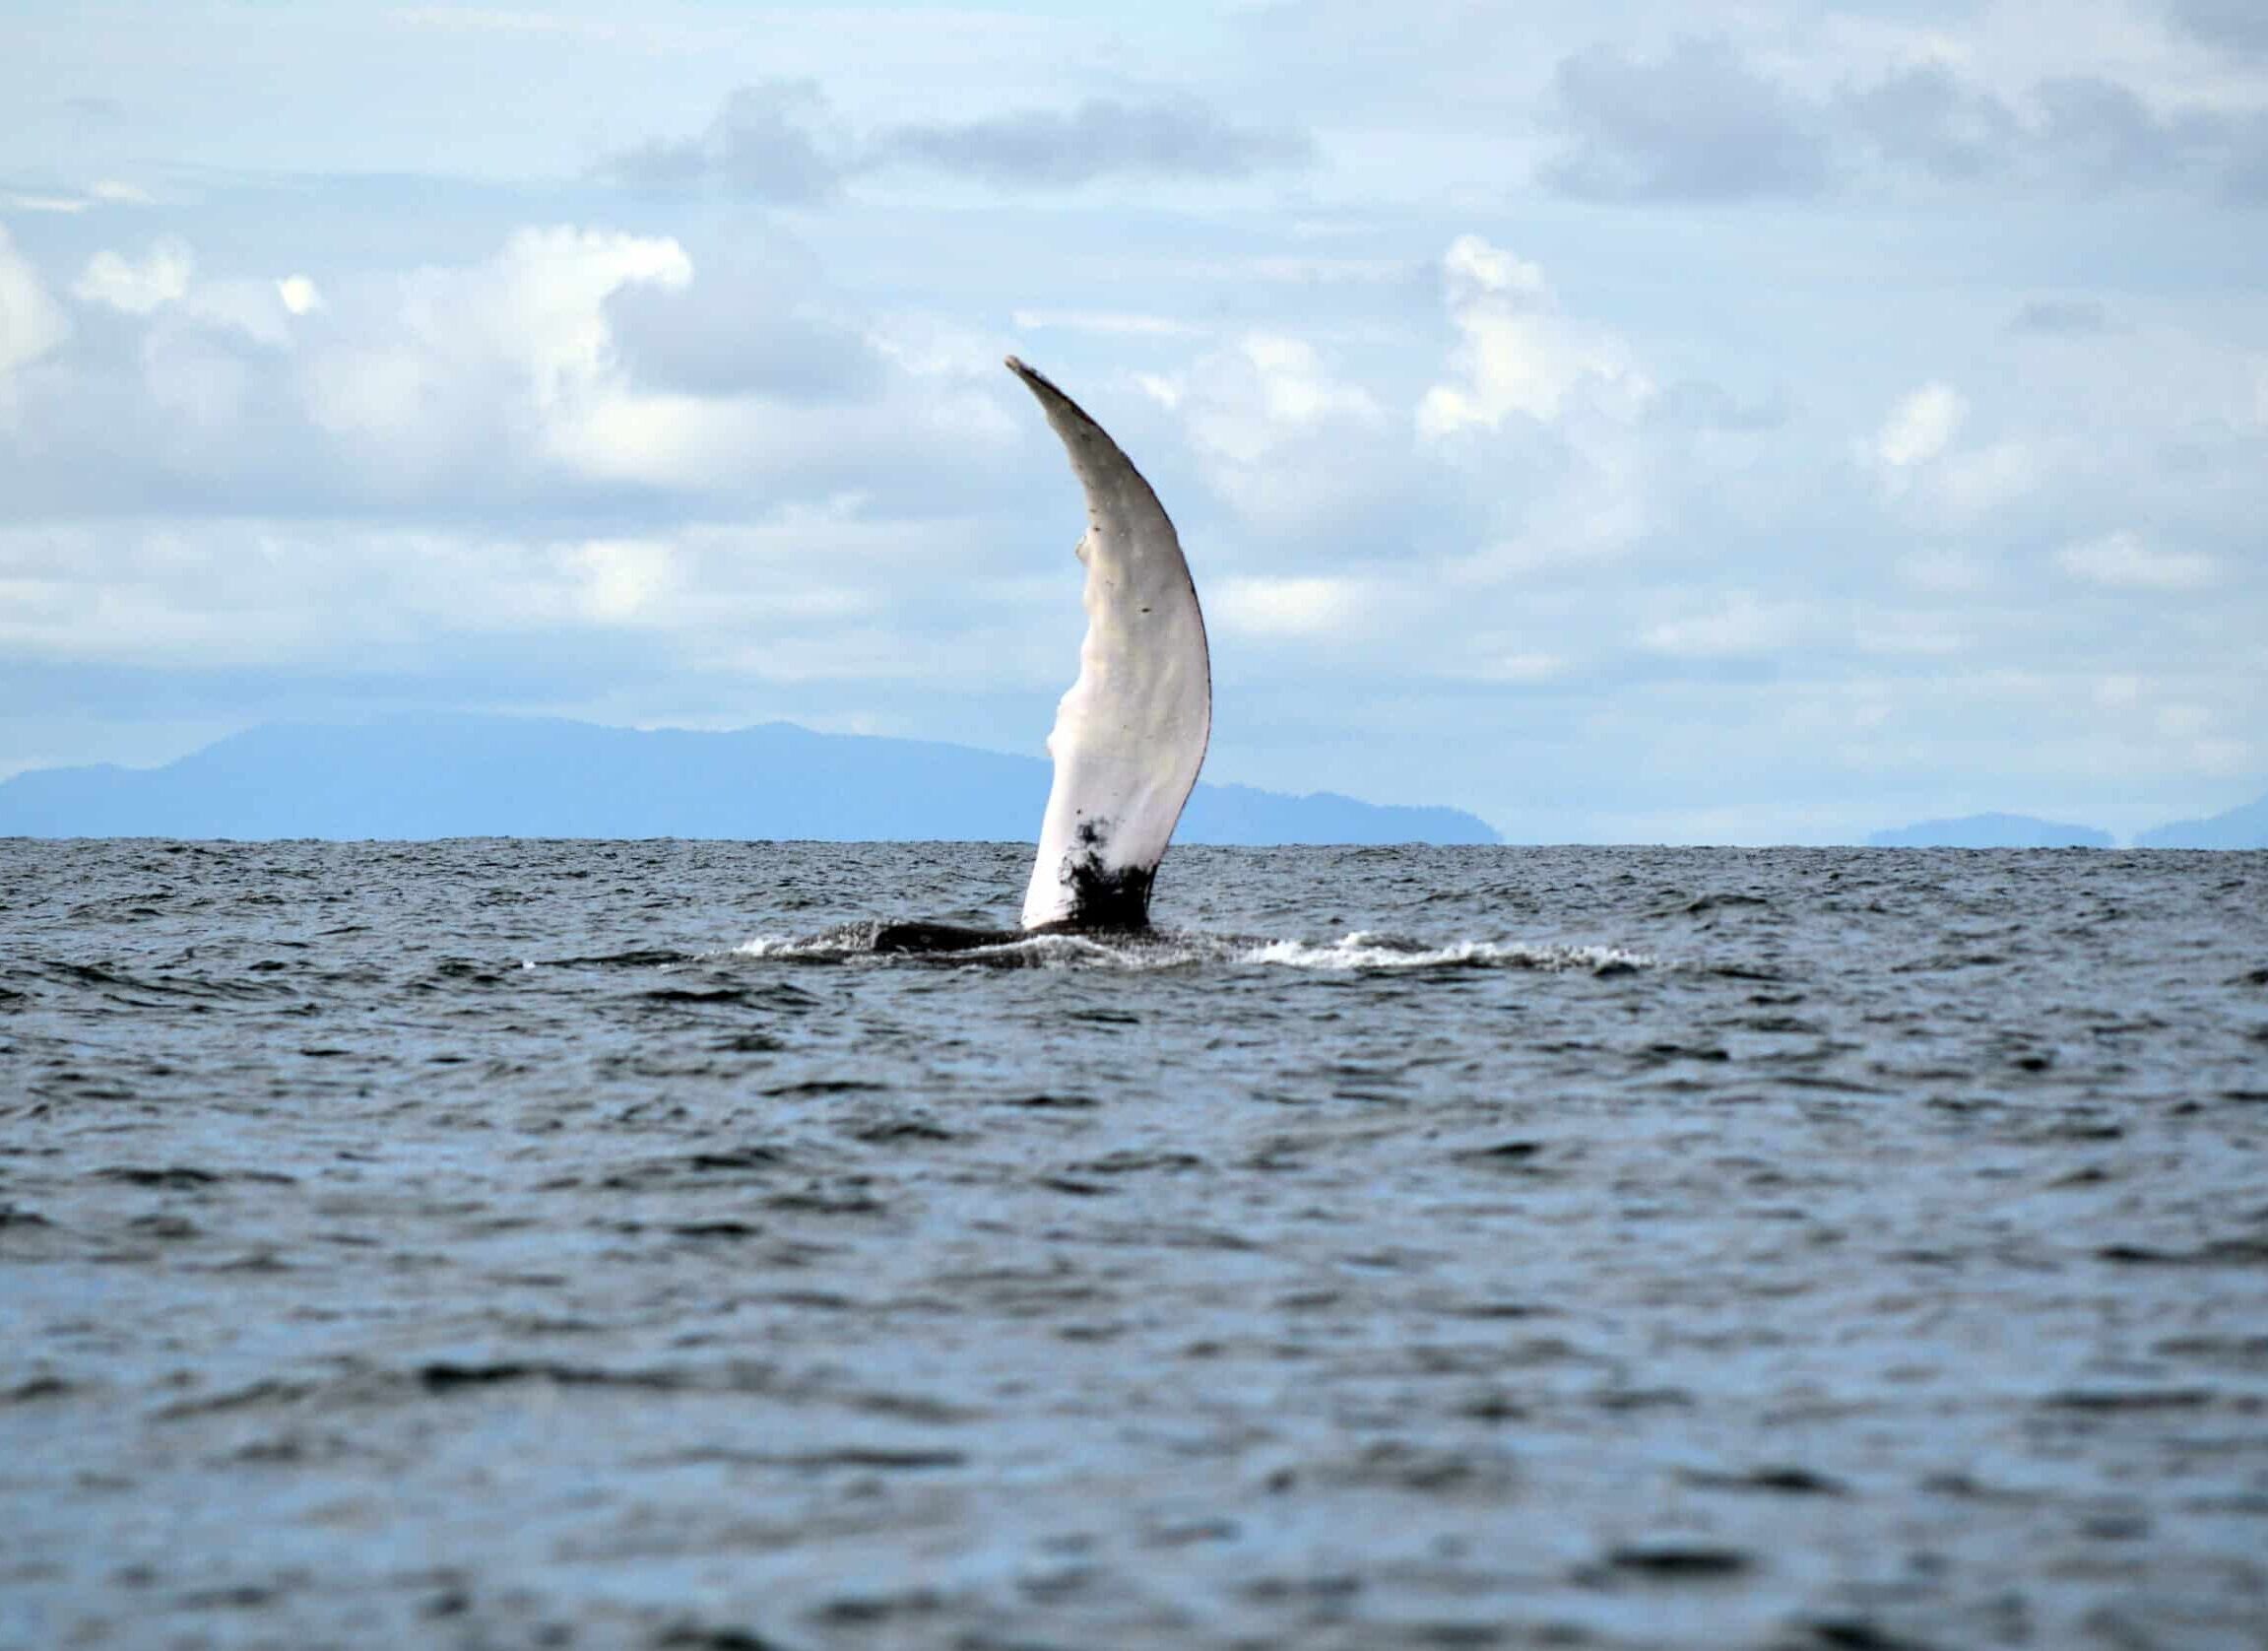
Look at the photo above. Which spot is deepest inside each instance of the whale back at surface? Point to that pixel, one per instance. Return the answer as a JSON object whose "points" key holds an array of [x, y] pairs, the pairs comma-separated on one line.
{"points": [[1131, 735]]}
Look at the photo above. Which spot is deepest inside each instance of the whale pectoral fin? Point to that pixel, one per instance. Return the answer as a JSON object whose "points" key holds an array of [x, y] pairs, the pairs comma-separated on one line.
{"points": [[1131, 735]]}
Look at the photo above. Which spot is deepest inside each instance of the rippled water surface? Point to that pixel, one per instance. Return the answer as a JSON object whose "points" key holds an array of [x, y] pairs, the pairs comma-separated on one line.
{"points": [[498, 1244]]}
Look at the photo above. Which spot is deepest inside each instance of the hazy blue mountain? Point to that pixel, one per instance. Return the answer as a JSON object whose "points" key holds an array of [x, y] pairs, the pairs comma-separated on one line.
{"points": [[2245, 826], [1991, 830], [452, 777]]}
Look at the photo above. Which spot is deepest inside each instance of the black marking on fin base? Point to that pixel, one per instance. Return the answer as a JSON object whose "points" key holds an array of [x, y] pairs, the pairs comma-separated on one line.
{"points": [[1103, 899], [1102, 896]]}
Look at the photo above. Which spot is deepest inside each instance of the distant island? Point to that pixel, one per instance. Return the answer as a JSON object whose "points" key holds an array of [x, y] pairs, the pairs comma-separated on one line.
{"points": [[2246, 826], [2239, 827], [477, 777], [1991, 830]]}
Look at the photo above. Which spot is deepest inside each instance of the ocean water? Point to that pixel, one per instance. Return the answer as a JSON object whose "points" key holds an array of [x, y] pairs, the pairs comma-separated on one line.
{"points": [[500, 1244]]}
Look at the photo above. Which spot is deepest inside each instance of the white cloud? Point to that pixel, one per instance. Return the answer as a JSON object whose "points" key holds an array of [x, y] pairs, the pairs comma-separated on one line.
{"points": [[1518, 355], [2192, 735], [1288, 606], [622, 579], [1732, 626], [1113, 323], [199, 387], [299, 295], [1476, 266], [166, 282], [255, 309], [31, 323], [520, 380], [159, 278], [1542, 422], [1915, 459], [2122, 561], [941, 394], [537, 304], [1264, 389], [1295, 393], [689, 442], [517, 348], [106, 192], [1163, 388], [1288, 444], [280, 594], [1971, 485], [1919, 427]]}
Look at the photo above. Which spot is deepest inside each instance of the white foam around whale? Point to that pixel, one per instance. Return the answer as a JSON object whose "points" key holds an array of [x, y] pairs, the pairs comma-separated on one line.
{"points": [[1363, 950], [1156, 949]]}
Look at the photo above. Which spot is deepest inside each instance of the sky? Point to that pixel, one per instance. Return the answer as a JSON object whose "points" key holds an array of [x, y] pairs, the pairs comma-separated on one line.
{"points": [[1625, 420]]}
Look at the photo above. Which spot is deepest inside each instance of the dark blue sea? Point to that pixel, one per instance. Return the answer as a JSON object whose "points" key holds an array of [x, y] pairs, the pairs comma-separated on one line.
{"points": [[499, 1244]]}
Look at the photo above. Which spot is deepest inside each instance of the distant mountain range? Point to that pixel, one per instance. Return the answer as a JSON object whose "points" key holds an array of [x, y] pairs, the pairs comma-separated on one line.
{"points": [[451, 776], [2238, 827], [1991, 830], [2246, 826]]}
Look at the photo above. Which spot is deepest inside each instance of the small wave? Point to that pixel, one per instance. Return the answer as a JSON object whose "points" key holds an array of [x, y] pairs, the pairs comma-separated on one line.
{"points": [[1362, 950], [1159, 949]]}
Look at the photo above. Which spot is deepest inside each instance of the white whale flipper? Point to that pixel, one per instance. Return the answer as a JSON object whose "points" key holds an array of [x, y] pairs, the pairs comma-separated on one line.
{"points": [[1130, 733]]}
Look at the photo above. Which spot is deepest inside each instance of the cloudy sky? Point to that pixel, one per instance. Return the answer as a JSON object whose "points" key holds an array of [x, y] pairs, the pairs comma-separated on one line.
{"points": [[1628, 420]]}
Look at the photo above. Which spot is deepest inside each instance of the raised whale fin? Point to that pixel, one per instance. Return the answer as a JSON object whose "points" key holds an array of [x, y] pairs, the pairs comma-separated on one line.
{"points": [[1130, 733]]}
